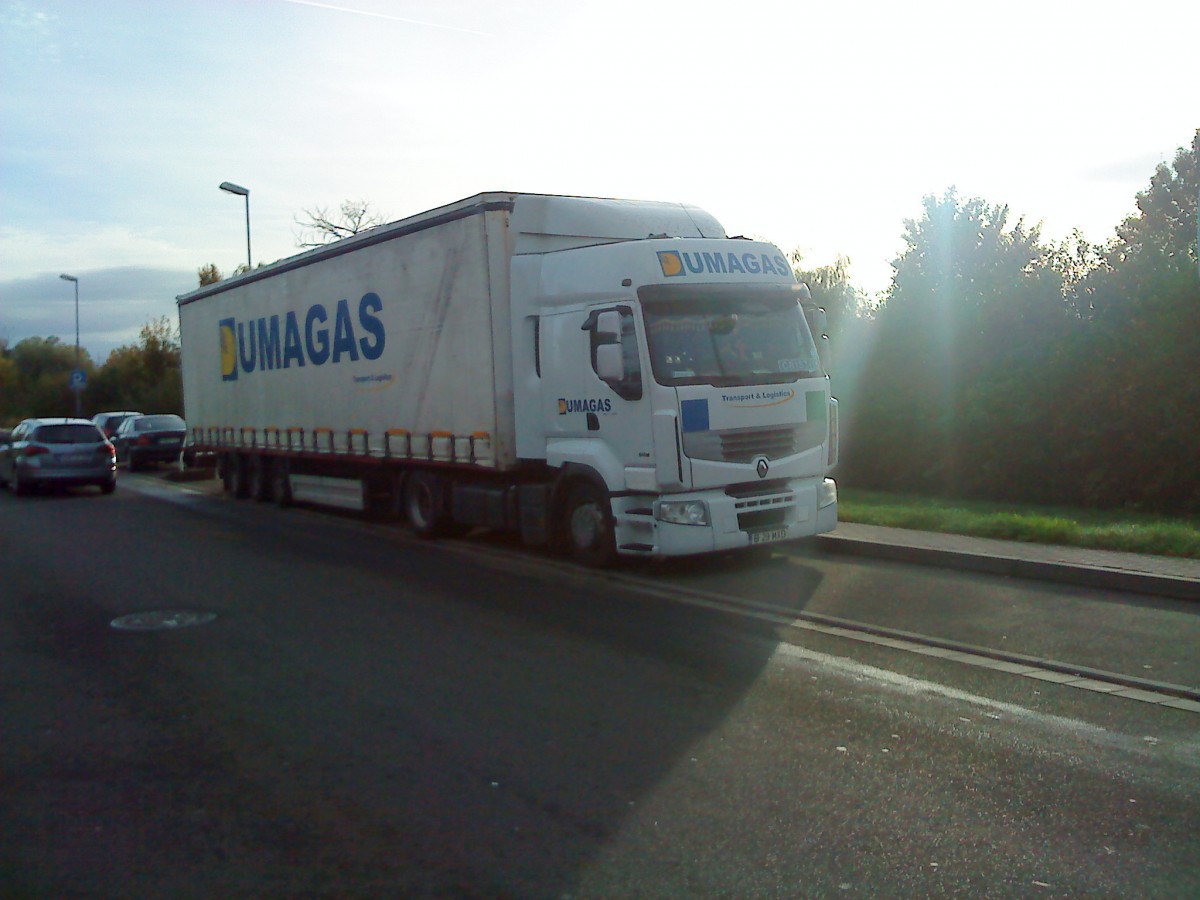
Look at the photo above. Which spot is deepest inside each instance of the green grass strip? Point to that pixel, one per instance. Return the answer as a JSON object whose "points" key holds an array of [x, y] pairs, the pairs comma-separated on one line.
{"points": [[1097, 529]]}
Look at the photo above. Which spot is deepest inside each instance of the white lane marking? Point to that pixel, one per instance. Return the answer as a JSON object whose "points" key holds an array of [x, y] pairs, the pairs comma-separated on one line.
{"points": [[1186, 751]]}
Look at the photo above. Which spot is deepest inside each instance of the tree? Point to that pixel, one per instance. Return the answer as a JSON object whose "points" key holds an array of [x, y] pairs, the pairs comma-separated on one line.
{"points": [[832, 290], [145, 375], [1133, 413], [1154, 253], [974, 311], [209, 274], [319, 227], [1165, 228], [38, 370], [8, 384]]}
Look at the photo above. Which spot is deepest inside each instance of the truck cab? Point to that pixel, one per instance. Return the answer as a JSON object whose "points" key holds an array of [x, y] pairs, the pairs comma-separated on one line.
{"points": [[681, 396]]}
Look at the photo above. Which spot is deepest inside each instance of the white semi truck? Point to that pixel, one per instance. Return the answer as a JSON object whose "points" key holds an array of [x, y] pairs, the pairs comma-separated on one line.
{"points": [[609, 378]]}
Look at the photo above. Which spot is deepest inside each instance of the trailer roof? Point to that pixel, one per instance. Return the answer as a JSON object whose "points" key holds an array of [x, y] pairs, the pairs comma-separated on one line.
{"points": [[542, 222]]}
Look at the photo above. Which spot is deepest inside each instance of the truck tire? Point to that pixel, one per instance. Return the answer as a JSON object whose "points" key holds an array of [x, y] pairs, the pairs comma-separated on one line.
{"points": [[587, 519], [424, 507], [233, 476], [280, 483], [258, 475]]}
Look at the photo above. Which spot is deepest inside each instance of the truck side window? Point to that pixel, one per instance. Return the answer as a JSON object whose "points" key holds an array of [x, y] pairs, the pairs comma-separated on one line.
{"points": [[630, 386]]}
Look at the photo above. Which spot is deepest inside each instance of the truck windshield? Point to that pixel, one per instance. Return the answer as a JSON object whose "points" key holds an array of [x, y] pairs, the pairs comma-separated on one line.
{"points": [[727, 335]]}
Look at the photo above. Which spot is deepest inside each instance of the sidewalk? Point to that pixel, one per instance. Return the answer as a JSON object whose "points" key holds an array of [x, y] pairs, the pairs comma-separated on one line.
{"points": [[1157, 575]]}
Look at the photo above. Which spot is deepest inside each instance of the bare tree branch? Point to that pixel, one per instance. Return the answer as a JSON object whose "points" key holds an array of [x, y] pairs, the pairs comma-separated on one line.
{"points": [[318, 227]]}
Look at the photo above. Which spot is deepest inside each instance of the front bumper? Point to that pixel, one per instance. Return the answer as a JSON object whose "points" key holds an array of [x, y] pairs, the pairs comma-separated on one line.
{"points": [[800, 508]]}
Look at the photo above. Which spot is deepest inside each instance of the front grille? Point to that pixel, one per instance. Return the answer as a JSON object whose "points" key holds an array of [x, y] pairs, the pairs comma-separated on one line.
{"points": [[742, 445], [762, 510], [767, 488]]}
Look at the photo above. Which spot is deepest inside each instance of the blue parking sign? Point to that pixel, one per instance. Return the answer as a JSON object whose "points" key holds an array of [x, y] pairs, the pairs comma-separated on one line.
{"points": [[78, 380]]}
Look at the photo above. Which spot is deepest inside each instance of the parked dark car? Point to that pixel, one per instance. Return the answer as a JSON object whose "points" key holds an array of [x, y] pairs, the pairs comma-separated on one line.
{"points": [[109, 422], [57, 451], [145, 439]]}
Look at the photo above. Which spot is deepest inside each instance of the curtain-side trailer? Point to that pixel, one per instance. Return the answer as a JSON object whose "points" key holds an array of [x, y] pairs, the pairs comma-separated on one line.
{"points": [[606, 377]]}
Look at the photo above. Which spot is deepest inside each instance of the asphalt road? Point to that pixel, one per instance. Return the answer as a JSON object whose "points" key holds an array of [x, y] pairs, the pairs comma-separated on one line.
{"points": [[372, 716]]}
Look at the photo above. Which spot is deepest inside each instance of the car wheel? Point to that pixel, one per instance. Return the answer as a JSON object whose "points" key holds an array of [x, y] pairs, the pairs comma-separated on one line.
{"points": [[134, 465], [19, 488], [589, 526], [107, 487]]}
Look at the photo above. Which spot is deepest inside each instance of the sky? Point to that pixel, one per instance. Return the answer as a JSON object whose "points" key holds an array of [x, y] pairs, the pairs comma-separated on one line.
{"points": [[819, 127]]}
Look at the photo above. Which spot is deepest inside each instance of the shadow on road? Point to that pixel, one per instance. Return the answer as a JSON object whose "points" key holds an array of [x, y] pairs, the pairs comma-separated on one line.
{"points": [[367, 716]]}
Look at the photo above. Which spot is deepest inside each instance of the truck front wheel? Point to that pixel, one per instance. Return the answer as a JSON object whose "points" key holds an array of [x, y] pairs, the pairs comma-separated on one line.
{"points": [[589, 526]]}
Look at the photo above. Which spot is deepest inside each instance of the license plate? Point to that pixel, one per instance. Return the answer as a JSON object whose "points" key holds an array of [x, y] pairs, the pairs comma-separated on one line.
{"points": [[766, 537], [74, 459], [170, 441]]}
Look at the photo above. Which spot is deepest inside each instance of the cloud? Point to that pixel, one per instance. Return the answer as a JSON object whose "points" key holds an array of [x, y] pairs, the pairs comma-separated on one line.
{"points": [[1132, 170], [114, 304], [375, 15]]}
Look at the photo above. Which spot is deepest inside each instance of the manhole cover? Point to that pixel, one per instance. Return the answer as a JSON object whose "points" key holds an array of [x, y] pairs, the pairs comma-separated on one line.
{"points": [[162, 620]]}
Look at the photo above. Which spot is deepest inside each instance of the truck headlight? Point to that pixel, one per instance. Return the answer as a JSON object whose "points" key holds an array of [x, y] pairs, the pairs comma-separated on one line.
{"points": [[682, 512], [826, 493]]}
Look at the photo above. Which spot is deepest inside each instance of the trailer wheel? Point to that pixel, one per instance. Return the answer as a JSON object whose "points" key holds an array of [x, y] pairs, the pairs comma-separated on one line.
{"points": [[423, 505], [279, 483], [258, 474], [589, 526], [233, 476]]}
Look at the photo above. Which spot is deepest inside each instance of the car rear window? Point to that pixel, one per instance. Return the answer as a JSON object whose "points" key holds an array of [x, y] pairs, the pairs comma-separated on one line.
{"points": [[158, 423], [68, 434]]}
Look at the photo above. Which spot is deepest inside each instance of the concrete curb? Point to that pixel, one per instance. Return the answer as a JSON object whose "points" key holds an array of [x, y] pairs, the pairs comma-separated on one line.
{"points": [[996, 564]]}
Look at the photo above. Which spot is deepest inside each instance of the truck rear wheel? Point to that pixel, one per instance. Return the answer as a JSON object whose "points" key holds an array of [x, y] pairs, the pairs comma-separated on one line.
{"points": [[589, 526], [423, 505]]}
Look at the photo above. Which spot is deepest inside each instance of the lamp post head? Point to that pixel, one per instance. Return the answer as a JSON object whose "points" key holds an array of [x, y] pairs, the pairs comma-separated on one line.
{"points": [[69, 278], [231, 188]]}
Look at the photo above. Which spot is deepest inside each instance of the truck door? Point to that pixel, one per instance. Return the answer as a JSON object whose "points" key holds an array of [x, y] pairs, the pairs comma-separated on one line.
{"points": [[593, 369]]}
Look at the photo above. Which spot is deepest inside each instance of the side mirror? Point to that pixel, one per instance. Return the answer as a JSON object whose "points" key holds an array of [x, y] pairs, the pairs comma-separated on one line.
{"points": [[608, 327], [610, 363]]}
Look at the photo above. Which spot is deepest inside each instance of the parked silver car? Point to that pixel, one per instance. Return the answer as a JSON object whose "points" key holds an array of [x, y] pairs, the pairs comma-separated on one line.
{"points": [[42, 452]]}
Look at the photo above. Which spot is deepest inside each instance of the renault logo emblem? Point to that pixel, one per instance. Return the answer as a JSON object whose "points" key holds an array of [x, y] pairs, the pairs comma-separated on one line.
{"points": [[761, 466]]}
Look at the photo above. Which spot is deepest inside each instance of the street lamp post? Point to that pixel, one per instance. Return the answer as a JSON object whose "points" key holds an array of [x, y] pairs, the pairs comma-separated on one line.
{"points": [[230, 188], [75, 281]]}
